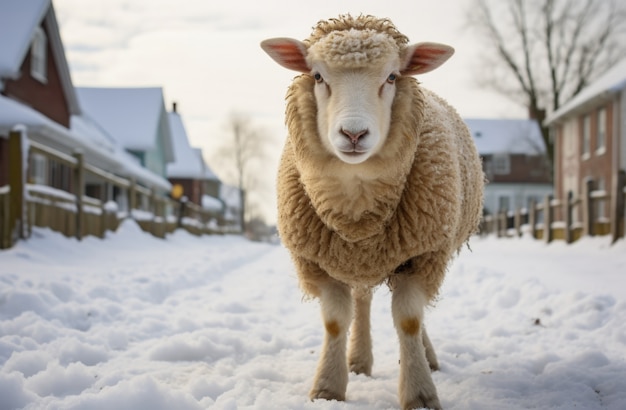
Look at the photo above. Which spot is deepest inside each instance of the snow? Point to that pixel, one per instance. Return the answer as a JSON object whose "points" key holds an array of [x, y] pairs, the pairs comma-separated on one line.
{"points": [[131, 115], [84, 134], [135, 322], [500, 135], [188, 161], [17, 22], [612, 81]]}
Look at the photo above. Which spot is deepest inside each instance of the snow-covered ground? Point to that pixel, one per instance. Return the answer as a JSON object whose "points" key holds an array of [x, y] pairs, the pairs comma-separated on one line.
{"points": [[134, 322]]}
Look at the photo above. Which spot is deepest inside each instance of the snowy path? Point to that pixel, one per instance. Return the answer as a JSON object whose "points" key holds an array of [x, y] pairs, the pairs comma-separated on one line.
{"points": [[134, 322]]}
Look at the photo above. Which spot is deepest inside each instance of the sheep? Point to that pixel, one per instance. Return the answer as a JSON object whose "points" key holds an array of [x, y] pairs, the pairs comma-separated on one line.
{"points": [[379, 182]]}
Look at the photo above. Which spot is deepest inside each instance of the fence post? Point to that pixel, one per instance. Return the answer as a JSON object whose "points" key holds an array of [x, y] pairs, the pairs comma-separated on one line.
{"points": [[79, 191], [532, 218], [16, 185], [518, 221], [567, 209], [588, 208], [132, 197], [617, 205], [548, 216]]}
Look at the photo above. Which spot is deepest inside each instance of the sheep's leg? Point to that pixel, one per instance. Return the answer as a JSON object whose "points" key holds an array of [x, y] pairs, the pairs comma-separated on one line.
{"points": [[416, 388], [431, 357], [331, 379], [360, 358]]}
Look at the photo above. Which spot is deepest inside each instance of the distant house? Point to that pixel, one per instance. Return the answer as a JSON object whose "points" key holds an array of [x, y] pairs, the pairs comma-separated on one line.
{"points": [[590, 136], [37, 96], [136, 119], [514, 162], [189, 174]]}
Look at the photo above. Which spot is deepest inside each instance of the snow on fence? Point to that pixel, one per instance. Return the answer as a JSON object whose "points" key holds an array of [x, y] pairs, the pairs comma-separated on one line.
{"points": [[76, 214], [566, 219]]}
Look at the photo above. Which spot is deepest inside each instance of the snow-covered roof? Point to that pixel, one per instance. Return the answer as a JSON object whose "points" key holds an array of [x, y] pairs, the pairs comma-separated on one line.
{"points": [[188, 161], [207, 172], [17, 24], [132, 115], [100, 149], [126, 164], [18, 21], [612, 81], [512, 136]]}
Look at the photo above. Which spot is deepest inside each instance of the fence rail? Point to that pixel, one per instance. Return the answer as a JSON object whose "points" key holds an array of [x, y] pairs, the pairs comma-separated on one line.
{"points": [[554, 218], [75, 214]]}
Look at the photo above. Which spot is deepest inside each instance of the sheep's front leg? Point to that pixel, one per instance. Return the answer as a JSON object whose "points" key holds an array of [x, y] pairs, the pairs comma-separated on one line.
{"points": [[360, 357], [416, 388], [331, 379]]}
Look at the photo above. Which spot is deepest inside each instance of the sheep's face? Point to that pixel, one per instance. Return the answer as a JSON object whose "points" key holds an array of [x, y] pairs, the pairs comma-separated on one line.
{"points": [[354, 108], [355, 73]]}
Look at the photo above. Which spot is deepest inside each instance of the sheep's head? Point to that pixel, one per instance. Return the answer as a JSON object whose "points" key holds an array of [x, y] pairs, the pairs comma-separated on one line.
{"points": [[355, 63]]}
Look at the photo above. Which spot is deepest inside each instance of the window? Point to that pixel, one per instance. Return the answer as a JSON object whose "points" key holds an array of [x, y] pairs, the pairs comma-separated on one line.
{"points": [[501, 164], [586, 136], [38, 169], [504, 203], [38, 57], [601, 135], [600, 204]]}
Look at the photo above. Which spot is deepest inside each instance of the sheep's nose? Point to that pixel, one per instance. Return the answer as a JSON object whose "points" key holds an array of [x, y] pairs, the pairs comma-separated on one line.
{"points": [[354, 136]]}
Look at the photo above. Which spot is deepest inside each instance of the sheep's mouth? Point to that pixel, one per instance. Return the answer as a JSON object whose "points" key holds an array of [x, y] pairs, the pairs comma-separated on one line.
{"points": [[353, 153]]}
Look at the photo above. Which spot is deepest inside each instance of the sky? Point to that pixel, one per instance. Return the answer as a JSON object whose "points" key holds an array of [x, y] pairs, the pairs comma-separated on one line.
{"points": [[133, 322], [206, 54]]}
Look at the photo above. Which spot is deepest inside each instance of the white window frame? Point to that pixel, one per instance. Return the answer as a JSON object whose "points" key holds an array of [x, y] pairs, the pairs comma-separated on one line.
{"points": [[601, 132], [586, 143], [38, 169], [39, 56], [501, 164]]}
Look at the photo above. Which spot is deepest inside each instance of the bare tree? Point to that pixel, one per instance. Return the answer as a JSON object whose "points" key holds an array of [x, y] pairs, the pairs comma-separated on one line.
{"points": [[243, 155], [541, 53]]}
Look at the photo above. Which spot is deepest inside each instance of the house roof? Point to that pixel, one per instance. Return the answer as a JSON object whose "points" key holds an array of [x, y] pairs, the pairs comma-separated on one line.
{"points": [[18, 21], [611, 82], [131, 115], [512, 136], [188, 161], [99, 147], [207, 172]]}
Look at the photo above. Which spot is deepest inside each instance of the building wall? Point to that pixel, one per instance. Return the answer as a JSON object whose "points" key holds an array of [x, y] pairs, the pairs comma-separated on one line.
{"points": [[512, 196], [192, 189], [597, 164], [47, 98], [621, 129], [577, 163], [4, 161]]}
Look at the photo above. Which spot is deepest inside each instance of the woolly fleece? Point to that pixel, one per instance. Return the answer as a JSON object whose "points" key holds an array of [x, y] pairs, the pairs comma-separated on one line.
{"points": [[418, 199]]}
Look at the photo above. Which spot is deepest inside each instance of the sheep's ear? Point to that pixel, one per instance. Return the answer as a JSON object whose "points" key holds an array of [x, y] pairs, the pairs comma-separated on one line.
{"points": [[421, 58], [288, 52]]}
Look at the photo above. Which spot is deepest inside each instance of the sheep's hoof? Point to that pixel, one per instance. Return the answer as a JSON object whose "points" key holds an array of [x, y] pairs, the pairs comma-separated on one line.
{"points": [[434, 365], [361, 368], [326, 395], [423, 401]]}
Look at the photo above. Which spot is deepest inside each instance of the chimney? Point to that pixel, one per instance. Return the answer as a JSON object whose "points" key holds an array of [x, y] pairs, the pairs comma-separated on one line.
{"points": [[174, 106]]}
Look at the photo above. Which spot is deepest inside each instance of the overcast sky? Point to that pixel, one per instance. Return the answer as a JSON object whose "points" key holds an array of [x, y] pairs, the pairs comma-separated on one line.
{"points": [[206, 54]]}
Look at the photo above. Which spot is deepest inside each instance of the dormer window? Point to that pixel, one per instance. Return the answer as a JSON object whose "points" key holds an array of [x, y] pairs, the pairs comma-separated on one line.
{"points": [[38, 56]]}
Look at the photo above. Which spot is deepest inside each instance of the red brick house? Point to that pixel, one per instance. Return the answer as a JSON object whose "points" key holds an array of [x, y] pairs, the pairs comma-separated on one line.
{"points": [[590, 138], [37, 96], [514, 162], [34, 75], [189, 173]]}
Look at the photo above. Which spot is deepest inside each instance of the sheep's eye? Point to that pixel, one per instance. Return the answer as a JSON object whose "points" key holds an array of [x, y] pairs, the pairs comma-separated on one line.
{"points": [[318, 77], [392, 78]]}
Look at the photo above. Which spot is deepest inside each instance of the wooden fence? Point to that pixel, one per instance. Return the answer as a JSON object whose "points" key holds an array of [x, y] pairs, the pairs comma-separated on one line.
{"points": [[556, 218], [74, 214]]}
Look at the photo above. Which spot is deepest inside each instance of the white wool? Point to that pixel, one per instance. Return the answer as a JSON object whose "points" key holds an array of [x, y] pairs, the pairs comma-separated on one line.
{"points": [[353, 48]]}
